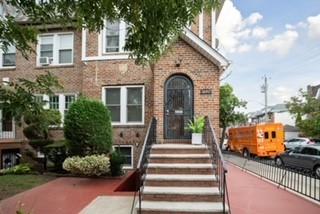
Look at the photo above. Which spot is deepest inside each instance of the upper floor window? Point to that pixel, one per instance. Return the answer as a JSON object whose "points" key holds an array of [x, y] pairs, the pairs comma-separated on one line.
{"points": [[55, 49], [126, 104], [114, 36], [8, 58]]}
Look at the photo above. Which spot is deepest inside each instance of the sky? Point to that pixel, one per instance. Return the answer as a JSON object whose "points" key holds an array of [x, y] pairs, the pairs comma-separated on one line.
{"points": [[276, 38]]}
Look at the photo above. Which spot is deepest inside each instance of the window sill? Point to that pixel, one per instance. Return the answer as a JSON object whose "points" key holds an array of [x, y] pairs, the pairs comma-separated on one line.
{"points": [[128, 125], [9, 68], [55, 66]]}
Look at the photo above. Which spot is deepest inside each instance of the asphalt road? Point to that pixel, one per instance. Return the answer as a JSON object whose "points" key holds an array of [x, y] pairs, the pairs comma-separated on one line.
{"points": [[305, 183]]}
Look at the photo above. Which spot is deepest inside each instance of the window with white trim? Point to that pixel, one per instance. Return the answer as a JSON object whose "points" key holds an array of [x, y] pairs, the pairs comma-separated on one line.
{"points": [[59, 102], [125, 103], [114, 36], [127, 153], [8, 58], [55, 49]]}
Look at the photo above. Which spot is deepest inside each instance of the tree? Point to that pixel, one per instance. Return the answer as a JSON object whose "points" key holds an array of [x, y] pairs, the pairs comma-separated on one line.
{"points": [[153, 24], [228, 105], [306, 111], [87, 127]]}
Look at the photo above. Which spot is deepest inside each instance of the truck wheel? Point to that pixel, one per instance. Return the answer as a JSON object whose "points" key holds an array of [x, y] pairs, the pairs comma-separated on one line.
{"points": [[246, 153]]}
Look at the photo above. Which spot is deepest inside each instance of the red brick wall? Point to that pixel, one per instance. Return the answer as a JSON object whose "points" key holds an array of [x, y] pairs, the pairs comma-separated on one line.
{"points": [[202, 72]]}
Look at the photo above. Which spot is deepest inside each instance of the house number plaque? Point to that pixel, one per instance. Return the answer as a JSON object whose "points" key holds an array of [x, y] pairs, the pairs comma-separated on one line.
{"points": [[205, 91]]}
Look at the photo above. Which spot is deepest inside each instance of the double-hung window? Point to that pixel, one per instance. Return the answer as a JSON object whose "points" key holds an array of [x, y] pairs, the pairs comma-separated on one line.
{"points": [[114, 36], [8, 58], [58, 102], [55, 49], [126, 104]]}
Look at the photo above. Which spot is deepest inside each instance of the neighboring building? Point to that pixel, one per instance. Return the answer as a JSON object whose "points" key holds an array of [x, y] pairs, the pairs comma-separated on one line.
{"points": [[276, 114], [314, 91], [184, 82]]}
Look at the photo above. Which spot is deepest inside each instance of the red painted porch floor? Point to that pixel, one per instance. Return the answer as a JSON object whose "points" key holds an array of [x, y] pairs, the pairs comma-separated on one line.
{"points": [[65, 195], [252, 195], [248, 195]]}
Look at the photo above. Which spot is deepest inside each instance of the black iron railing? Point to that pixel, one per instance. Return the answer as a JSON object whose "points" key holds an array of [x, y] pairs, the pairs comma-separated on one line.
{"points": [[299, 180], [143, 162], [218, 163]]}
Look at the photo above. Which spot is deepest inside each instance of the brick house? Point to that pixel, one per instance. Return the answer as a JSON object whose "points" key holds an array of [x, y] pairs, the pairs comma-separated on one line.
{"points": [[184, 83]]}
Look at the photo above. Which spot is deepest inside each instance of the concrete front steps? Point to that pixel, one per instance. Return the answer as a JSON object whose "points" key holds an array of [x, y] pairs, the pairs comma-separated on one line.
{"points": [[180, 180]]}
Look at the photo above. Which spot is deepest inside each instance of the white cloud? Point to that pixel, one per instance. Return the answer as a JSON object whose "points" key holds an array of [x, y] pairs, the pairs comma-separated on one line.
{"points": [[232, 28], [290, 27], [280, 94], [244, 48], [260, 32], [280, 44], [314, 27], [254, 18]]}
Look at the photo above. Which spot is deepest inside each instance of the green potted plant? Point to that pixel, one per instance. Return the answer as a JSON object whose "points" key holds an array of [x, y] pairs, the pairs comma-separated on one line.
{"points": [[196, 127]]}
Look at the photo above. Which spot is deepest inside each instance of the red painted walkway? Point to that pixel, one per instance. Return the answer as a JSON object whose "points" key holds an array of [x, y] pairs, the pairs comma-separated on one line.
{"points": [[252, 195], [61, 196]]}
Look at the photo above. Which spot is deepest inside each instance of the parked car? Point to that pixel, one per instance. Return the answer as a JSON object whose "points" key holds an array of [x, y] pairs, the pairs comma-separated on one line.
{"points": [[302, 157], [294, 142]]}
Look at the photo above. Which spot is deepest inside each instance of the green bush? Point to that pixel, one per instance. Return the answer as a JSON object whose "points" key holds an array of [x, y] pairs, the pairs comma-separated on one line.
{"points": [[17, 170], [87, 127], [56, 153], [116, 161], [93, 165]]}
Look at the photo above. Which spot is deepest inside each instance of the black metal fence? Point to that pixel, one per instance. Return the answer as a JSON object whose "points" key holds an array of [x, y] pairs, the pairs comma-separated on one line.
{"points": [[300, 180], [218, 162]]}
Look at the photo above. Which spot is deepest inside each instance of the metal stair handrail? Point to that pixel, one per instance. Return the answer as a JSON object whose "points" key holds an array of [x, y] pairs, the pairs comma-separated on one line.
{"points": [[210, 139]]}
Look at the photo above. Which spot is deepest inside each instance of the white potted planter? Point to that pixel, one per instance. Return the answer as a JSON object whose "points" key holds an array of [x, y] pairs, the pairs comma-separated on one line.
{"points": [[196, 138], [196, 127]]}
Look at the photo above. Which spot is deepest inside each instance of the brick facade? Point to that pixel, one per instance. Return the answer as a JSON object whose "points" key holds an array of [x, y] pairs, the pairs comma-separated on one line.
{"points": [[88, 78]]}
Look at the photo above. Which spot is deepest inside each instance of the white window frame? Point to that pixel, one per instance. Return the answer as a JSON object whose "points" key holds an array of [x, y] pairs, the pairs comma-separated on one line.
{"points": [[122, 38], [6, 134], [1, 60], [130, 146], [123, 103], [56, 48], [61, 109]]}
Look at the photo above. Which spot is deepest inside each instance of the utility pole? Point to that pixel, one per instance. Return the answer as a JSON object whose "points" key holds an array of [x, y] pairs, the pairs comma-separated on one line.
{"points": [[264, 89]]}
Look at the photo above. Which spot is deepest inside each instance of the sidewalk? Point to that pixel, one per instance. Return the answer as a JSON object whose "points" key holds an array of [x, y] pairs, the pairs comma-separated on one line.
{"points": [[252, 195]]}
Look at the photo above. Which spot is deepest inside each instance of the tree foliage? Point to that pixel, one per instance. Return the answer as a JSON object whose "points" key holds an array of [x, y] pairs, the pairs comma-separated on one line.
{"points": [[153, 24], [18, 97], [87, 127], [306, 111], [229, 103]]}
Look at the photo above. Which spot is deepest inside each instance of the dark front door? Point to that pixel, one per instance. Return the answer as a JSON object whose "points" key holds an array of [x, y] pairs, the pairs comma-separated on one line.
{"points": [[178, 107]]}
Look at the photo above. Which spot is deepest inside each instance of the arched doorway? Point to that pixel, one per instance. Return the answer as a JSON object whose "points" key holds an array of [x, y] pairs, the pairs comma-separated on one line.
{"points": [[178, 107]]}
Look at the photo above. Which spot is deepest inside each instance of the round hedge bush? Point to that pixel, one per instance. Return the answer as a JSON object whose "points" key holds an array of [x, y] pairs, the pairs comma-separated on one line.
{"points": [[87, 128]]}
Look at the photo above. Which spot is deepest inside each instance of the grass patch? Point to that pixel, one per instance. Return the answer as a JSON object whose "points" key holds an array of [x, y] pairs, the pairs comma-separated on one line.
{"points": [[13, 184]]}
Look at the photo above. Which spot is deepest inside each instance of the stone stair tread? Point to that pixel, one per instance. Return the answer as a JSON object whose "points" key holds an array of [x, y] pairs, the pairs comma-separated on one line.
{"points": [[181, 165], [180, 177], [179, 156], [178, 146], [191, 207], [181, 190]]}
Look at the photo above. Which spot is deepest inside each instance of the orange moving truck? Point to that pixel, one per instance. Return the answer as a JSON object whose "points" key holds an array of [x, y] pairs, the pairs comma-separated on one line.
{"points": [[263, 140]]}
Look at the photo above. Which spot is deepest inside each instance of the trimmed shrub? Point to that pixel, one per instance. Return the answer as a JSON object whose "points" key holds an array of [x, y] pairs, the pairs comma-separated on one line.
{"points": [[56, 153], [16, 170], [116, 161], [87, 127], [93, 165]]}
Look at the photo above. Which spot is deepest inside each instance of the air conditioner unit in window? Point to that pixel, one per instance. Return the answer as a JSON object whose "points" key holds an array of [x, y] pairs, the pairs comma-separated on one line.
{"points": [[45, 60]]}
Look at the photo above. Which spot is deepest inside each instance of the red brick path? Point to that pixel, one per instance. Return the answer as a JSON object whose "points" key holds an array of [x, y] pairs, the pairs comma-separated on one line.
{"points": [[61, 196], [252, 195]]}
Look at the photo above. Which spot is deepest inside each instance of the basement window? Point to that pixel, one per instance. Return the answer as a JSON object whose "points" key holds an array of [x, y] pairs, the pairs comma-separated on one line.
{"points": [[127, 152]]}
